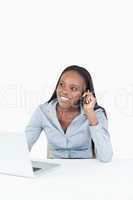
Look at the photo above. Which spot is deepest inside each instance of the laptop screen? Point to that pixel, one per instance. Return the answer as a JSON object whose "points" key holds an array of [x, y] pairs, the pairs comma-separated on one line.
{"points": [[35, 169]]}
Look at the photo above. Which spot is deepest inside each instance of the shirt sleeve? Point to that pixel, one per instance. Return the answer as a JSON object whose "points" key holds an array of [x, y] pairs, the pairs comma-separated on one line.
{"points": [[34, 128], [101, 138]]}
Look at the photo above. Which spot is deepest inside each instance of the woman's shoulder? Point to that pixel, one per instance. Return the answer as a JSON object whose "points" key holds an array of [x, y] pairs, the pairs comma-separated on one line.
{"points": [[47, 105], [100, 111]]}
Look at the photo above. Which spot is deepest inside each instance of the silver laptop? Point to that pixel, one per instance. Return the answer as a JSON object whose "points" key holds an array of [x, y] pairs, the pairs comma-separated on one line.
{"points": [[15, 157]]}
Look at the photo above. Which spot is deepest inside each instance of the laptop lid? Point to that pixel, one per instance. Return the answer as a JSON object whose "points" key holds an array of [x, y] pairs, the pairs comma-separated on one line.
{"points": [[14, 154]]}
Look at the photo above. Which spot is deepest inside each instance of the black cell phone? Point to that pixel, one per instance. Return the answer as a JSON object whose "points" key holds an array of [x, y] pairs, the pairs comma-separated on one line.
{"points": [[84, 100]]}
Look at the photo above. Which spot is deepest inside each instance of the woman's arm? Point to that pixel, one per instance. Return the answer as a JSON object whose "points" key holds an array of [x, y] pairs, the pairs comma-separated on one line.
{"points": [[100, 135], [34, 128], [98, 128]]}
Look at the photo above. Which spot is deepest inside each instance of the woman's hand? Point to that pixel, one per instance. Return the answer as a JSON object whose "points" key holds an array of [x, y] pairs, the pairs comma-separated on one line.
{"points": [[89, 102]]}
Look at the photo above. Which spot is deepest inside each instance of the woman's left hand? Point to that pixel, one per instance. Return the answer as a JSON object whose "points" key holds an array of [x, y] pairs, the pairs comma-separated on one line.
{"points": [[88, 102], [88, 105]]}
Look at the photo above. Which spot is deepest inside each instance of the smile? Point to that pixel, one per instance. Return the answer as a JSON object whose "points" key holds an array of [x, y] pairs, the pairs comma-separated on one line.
{"points": [[64, 98]]}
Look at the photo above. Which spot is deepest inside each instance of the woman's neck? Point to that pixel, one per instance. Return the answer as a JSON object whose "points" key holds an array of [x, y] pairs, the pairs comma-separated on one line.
{"points": [[70, 109]]}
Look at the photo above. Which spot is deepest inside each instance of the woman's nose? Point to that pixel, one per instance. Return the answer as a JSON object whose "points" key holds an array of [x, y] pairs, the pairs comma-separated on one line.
{"points": [[65, 92]]}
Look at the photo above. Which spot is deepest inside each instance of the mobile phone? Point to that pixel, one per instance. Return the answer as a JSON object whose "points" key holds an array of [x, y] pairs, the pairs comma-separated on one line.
{"points": [[84, 100]]}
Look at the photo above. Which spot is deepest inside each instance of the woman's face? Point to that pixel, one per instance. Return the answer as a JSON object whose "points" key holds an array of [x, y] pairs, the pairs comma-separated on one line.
{"points": [[70, 89]]}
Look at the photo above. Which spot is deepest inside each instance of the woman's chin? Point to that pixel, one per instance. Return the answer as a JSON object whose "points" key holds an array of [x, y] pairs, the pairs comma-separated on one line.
{"points": [[64, 104]]}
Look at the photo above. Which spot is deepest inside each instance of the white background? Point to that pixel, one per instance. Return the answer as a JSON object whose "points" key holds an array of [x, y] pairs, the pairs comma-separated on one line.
{"points": [[38, 39]]}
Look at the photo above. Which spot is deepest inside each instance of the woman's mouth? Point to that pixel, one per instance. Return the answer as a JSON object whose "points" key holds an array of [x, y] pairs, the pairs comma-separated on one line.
{"points": [[64, 98]]}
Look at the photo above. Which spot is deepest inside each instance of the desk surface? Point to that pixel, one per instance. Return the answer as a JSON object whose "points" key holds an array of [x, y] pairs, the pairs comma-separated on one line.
{"points": [[74, 179]]}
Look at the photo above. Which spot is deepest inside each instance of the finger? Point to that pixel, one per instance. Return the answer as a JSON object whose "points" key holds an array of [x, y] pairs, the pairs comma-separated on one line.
{"points": [[93, 98], [86, 93], [85, 100], [88, 99]]}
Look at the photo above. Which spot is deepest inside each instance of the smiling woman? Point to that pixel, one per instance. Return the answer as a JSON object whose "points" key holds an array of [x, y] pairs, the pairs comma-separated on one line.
{"points": [[75, 125], [70, 89]]}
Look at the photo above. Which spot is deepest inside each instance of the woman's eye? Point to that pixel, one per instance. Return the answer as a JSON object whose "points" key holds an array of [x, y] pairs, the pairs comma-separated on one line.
{"points": [[60, 84], [74, 89]]}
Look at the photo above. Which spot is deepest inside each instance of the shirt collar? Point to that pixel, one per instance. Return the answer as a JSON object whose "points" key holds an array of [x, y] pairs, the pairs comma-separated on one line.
{"points": [[54, 102]]}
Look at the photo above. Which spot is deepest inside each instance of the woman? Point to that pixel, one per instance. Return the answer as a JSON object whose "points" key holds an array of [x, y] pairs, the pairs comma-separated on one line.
{"points": [[75, 125]]}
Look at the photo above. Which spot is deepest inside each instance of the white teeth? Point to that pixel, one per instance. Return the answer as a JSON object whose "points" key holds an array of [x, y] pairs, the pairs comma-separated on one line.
{"points": [[64, 98]]}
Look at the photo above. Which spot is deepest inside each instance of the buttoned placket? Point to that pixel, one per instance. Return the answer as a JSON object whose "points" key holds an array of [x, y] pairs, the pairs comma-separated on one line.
{"points": [[68, 134]]}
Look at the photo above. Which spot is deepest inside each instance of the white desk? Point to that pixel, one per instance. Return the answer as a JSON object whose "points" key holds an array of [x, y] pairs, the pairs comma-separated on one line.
{"points": [[75, 179]]}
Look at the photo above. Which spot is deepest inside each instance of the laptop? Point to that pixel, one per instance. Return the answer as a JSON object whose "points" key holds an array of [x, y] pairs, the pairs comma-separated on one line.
{"points": [[15, 157]]}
